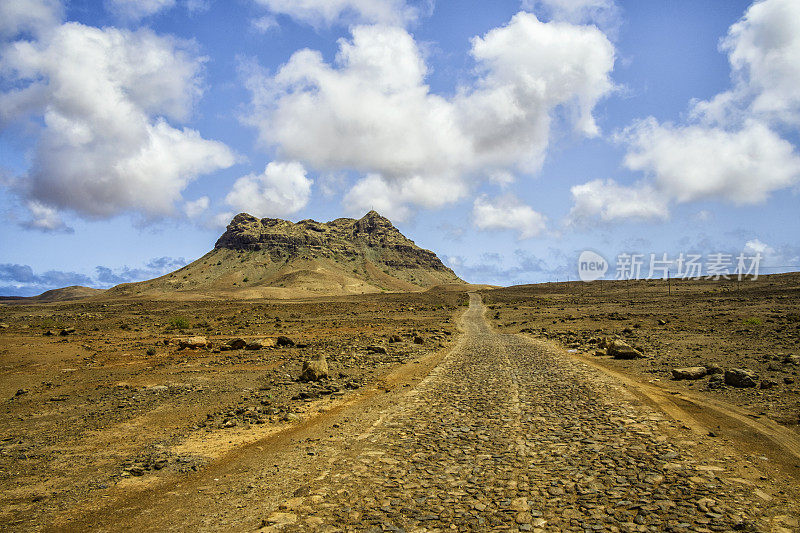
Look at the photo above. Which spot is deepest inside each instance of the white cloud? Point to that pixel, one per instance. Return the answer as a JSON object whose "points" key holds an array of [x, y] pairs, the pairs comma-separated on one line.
{"points": [[33, 16], [391, 198], [44, 218], [609, 201], [138, 9], [763, 49], [329, 12], [282, 189], [195, 208], [729, 151], [372, 112], [264, 24], [507, 213], [691, 163], [604, 13], [220, 220], [104, 96]]}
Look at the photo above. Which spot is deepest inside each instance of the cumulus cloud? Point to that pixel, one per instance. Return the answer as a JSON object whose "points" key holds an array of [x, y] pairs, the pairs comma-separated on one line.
{"points": [[695, 162], [329, 12], [762, 48], [104, 97], [507, 212], [138, 9], [371, 111], [282, 189], [609, 201], [730, 150], [34, 16], [44, 218], [195, 208]]}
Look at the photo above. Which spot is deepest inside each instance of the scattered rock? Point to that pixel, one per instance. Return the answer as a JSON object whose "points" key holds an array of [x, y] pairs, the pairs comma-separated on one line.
{"points": [[739, 377], [662, 322], [284, 341], [791, 360], [67, 331], [49, 333], [692, 372], [767, 383], [788, 380], [20, 392], [622, 350], [376, 349], [315, 369], [395, 338], [599, 353], [713, 368], [193, 343], [254, 345], [235, 344], [418, 340], [3, 325]]}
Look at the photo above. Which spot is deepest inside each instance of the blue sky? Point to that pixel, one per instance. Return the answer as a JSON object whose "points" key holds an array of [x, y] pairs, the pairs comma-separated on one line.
{"points": [[506, 136]]}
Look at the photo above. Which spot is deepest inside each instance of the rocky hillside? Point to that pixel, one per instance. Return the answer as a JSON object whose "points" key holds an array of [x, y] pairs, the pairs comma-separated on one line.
{"points": [[271, 257]]}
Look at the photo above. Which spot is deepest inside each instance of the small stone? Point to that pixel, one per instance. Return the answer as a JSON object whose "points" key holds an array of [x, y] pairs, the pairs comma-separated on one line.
{"points": [[236, 344], [692, 372], [284, 341], [194, 343], [315, 369], [767, 383], [622, 350]]}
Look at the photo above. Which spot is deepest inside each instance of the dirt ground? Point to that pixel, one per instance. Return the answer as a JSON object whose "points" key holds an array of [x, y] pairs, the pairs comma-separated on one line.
{"points": [[102, 421], [752, 325], [116, 401]]}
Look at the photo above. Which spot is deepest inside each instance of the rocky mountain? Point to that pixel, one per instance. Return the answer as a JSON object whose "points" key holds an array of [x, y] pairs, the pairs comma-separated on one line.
{"points": [[271, 257]]}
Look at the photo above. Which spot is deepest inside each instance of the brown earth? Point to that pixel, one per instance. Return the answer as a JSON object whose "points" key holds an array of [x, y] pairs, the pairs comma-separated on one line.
{"points": [[111, 405], [108, 428]]}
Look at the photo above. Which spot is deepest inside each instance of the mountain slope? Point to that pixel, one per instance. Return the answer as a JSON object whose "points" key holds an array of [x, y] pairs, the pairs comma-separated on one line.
{"points": [[276, 258]]}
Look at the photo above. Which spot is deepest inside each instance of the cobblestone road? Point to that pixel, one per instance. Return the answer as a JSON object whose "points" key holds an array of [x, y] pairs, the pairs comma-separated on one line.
{"points": [[509, 434]]}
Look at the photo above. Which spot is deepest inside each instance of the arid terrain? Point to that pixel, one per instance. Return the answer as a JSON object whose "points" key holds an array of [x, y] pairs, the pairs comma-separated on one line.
{"points": [[400, 398], [455, 427], [116, 402]]}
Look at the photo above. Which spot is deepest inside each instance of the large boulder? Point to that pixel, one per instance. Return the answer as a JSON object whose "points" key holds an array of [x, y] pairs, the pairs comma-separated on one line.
{"points": [[315, 369], [622, 350], [193, 343], [691, 372], [740, 377]]}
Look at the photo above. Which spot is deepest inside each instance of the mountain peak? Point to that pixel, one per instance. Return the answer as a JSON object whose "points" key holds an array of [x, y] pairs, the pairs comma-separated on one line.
{"points": [[272, 257]]}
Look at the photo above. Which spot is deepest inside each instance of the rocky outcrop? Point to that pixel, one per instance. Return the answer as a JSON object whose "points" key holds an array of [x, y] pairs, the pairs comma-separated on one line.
{"points": [[372, 235]]}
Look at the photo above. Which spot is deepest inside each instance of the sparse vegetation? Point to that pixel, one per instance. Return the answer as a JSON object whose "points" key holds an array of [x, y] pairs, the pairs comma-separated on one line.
{"points": [[178, 323]]}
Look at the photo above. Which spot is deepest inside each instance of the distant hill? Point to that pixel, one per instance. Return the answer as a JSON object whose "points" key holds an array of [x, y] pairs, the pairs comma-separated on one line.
{"points": [[75, 292], [276, 258]]}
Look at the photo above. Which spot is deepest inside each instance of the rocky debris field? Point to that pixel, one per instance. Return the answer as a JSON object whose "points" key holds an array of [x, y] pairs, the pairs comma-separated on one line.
{"points": [[740, 342], [98, 394], [508, 434]]}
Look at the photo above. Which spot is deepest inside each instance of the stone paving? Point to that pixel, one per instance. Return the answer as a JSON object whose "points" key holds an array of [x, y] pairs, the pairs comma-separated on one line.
{"points": [[508, 435]]}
